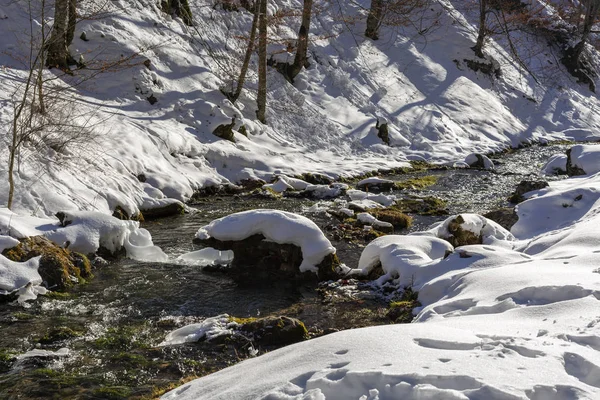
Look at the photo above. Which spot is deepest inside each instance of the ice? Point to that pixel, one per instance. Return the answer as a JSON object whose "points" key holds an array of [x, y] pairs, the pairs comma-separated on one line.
{"points": [[208, 329], [207, 256]]}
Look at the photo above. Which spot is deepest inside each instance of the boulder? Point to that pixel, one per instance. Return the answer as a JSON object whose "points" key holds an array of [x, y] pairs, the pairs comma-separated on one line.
{"points": [[258, 259], [573, 170], [505, 217], [168, 210], [59, 268], [275, 331], [524, 187]]}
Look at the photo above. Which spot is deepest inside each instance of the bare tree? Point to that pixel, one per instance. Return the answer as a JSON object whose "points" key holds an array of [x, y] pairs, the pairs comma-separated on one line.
{"points": [[178, 8], [63, 31], [233, 96], [261, 99], [573, 55], [392, 13], [482, 32], [301, 58]]}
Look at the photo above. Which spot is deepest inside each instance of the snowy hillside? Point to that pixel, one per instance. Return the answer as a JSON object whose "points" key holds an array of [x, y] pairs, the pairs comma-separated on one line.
{"points": [[415, 77]]}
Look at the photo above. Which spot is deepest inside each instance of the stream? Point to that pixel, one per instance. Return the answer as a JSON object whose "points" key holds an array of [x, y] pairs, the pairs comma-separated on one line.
{"points": [[113, 324]]}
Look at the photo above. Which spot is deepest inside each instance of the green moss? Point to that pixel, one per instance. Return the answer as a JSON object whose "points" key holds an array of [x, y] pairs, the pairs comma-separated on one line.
{"points": [[417, 183], [241, 321], [23, 316], [59, 295], [125, 338], [422, 205], [130, 359], [393, 216], [55, 378], [401, 311], [6, 359], [112, 392], [59, 334]]}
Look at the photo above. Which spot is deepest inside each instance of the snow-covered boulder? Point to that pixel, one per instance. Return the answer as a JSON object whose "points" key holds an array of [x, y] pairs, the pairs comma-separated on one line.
{"points": [[475, 160], [556, 165], [21, 278], [464, 229], [278, 241], [87, 231], [583, 159], [404, 258], [368, 219]]}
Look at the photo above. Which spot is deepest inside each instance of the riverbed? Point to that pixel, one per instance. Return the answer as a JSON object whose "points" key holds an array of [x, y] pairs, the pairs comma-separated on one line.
{"points": [[112, 325]]}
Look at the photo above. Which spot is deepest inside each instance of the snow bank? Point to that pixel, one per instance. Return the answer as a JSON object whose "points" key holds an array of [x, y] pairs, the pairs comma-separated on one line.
{"points": [[276, 226], [404, 258], [586, 157], [21, 277]]}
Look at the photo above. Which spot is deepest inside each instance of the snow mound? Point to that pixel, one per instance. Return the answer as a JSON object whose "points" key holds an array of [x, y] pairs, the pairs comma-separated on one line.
{"points": [[276, 226], [208, 329], [383, 199], [21, 277], [87, 231], [586, 157], [555, 165], [489, 231], [404, 258]]}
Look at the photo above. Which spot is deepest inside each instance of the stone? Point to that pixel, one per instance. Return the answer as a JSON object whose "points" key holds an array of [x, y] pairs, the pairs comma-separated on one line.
{"points": [[258, 259], [169, 210], [524, 187], [59, 268], [505, 217], [225, 131], [460, 236], [276, 331], [573, 170]]}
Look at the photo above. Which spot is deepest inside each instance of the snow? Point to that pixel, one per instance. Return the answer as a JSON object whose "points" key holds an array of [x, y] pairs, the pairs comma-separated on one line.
{"points": [[372, 181], [18, 275], [384, 200], [276, 226], [85, 232], [368, 219], [490, 231], [586, 157], [208, 329], [474, 158]]}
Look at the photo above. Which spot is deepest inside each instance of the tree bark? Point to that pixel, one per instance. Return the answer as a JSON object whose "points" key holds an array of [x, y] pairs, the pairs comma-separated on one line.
{"points": [[591, 14], [261, 99], [301, 59], [481, 36], [58, 52], [374, 19], [242, 78]]}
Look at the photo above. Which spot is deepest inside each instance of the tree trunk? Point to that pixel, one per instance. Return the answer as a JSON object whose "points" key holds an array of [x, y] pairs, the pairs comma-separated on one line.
{"points": [[591, 14], [261, 99], [374, 19], [72, 21], [301, 59], [242, 78], [58, 52], [179, 8], [478, 49]]}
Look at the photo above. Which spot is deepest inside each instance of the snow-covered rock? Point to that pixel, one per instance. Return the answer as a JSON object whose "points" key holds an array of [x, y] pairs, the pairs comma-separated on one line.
{"points": [[368, 219], [21, 277], [470, 229], [584, 158], [209, 329], [475, 160], [276, 226]]}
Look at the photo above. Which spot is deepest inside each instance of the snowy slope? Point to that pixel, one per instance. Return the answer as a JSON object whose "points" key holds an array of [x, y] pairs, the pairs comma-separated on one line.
{"points": [[438, 109]]}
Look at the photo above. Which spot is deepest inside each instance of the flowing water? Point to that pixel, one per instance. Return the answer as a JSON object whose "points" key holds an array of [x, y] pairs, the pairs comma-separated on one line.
{"points": [[112, 325]]}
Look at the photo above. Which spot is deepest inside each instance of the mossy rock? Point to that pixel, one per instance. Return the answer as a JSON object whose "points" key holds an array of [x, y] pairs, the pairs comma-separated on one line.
{"points": [[422, 205], [377, 187], [395, 217], [112, 392], [252, 184], [59, 334], [417, 183], [265, 193], [227, 189], [225, 131], [459, 236], [316, 178], [276, 331], [58, 266], [401, 311], [171, 209]]}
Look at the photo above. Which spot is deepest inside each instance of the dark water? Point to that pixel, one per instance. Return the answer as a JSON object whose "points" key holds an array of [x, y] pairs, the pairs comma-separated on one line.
{"points": [[113, 324]]}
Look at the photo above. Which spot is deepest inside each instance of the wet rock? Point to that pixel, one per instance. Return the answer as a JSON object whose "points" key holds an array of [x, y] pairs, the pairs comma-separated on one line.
{"points": [[169, 210], [524, 187], [257, 259], [252, 184], [227, 189], [59, 268], [376, 185], [505, 217], [573, 170], [276, 331], [121, 214], [316, 178]]}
